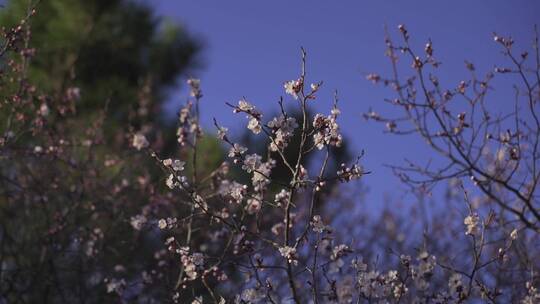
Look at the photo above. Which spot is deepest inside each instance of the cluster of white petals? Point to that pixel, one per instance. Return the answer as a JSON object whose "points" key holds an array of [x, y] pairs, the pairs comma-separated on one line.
{"points": [[327, 130], [139, 141], [289, 253], [472, 222], [293, 87], [283, 129]]}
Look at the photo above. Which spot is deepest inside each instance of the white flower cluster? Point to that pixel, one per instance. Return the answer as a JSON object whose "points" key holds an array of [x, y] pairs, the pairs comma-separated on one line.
{"points": [[195, 86], [236, 152], [254, 204], [327, 130], [303, 177], [176, 165], [253, 115], [374, 285], [293, 87], [250, 295], [318, 225], [175, 182], [222, 133], [347, 174], [233, 191], [188, 125], [339, 251], [260, 178], [115, 285], [168, 223], [289, 253], [455, 285], [96, 235], [192, 263], [253, 164], [139, 141], [282, 198], [283, 129], [336, 255], [423, 272], [138, 221], [472, 222], [533, 295]]}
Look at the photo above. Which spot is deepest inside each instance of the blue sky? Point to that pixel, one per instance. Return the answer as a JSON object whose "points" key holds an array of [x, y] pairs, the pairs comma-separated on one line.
{"points": [[252, 47]]}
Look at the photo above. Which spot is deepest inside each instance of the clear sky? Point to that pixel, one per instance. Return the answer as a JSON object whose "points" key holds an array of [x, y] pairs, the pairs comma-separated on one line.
{"points": [[252, 47]]}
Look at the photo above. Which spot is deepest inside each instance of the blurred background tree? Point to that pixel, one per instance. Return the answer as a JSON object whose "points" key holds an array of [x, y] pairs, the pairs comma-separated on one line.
{"points": [[109, 49]]}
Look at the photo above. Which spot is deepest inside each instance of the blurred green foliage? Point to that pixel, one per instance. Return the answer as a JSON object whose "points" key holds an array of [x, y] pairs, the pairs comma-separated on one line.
{"points": [[109, 49]]}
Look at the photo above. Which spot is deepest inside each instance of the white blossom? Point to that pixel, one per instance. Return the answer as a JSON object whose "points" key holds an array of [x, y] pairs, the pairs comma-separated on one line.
{"points": [[327, 130], [233, 190], [533, 295], [195, 86], [471, 222], [237, 150], [251, 162], [115, 285], [178, 165], [514, 234], [254, 125], [139, 141], [283, 128], [138, 221], [281, 198], [222, 132], [245, 106], [293, 87], [289, 253], [253, 205], [252, 295], [318, 225], [455, 285]]}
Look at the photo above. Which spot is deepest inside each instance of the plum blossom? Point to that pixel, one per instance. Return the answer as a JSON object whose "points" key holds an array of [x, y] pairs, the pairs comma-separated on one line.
{"points": [[260, 176], [233, 191], [245, 106], [293, 87], [195, 86], [281, 198], [168, 223], [115, 285], [348, 174], [283, 128], [253, 205], [471, 222], [251, 295], [289, 253], [139, 141], [251, 163], [237, 150], [303, 177], [222, 133], [424, 270], [192, 263], [318, 225], [253, 115], [514, 234], [138, 221], [455, 285], [254, 125], [327, 130], [176, 165], [533, 295]]}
